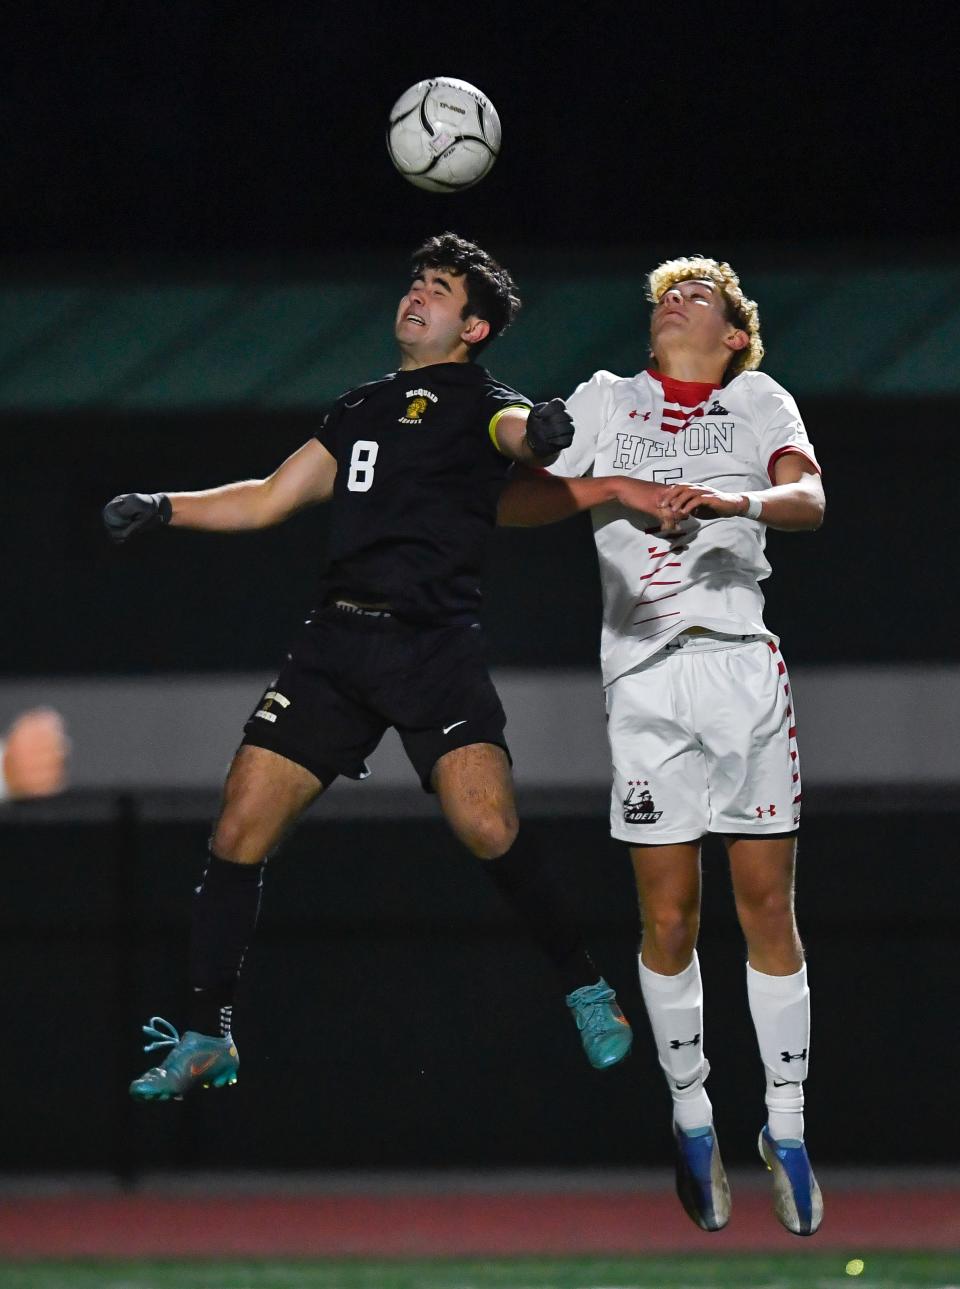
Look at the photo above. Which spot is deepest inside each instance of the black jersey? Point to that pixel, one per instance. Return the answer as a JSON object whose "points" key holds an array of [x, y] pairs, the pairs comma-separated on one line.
{"points": [[415, 497]]}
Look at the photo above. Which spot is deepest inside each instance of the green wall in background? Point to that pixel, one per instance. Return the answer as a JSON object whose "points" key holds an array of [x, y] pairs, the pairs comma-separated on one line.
{"points": [[295, 340]]}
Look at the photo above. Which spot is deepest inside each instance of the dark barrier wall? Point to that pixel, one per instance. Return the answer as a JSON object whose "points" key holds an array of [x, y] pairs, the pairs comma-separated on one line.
{"points": [[867, 587], [392, 1016]]}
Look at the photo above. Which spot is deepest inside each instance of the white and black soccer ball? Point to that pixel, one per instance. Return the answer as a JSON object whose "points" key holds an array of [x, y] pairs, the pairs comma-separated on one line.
{"points": [[444, 135]]}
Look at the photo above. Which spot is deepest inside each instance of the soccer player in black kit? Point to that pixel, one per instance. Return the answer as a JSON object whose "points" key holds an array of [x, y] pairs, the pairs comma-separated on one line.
{"points": [[413, 464]]}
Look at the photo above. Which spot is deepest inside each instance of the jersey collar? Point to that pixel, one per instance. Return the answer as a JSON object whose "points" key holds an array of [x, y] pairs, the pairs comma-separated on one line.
{"points": [[688, 393]]}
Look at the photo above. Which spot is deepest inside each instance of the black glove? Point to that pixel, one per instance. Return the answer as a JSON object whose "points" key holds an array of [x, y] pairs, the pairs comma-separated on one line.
{"points": [[136, 512], [549, 428]]}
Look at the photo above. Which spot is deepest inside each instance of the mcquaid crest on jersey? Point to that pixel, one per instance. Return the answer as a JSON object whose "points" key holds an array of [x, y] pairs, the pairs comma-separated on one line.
{"points": [[420, 400]]}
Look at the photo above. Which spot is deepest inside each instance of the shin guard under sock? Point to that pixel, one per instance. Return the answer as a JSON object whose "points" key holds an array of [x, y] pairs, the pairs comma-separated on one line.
{"points": [[523, 879], [225, 909], [780, 1009]]}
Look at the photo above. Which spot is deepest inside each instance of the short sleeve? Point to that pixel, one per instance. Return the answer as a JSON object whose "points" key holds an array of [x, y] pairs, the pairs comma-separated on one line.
{"points": [[587, 405], [780, 427], [497, 400], [327, 433]]}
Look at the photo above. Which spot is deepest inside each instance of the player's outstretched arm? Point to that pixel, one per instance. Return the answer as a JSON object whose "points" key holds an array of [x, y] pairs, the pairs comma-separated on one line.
{"points": [[534, 497], [304, 479]]}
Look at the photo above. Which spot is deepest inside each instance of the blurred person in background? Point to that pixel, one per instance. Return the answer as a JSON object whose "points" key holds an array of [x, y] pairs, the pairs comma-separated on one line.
{"points": [[33, 755], [706, 452]]}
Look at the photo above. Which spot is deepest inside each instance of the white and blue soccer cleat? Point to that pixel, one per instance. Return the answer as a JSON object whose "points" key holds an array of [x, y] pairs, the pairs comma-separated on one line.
{"points": [[702, 1184], [797, 1201]]}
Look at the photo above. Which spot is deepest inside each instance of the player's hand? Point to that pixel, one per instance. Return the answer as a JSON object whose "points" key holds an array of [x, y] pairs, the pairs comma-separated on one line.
{"points": [[549, 428], [684, 500], [135, 512], [35, 754], [640, 495]]}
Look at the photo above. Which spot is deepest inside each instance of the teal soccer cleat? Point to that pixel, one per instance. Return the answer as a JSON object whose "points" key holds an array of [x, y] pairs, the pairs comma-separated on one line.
{"points": [[797, 1201], [604, 1030], [194, 1059], [701, 1179]]}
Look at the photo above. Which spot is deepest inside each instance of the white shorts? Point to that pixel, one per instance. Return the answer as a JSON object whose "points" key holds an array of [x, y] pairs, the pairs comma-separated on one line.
{"points": [[703, 739]]}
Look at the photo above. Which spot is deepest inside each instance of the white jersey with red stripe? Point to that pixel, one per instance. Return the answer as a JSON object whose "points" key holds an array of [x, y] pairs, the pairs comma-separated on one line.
{"points": [[707, 574]]}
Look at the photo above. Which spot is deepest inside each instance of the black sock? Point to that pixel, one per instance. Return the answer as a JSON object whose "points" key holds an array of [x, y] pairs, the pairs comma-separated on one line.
{"points": [[225, 908], [532, 888]]}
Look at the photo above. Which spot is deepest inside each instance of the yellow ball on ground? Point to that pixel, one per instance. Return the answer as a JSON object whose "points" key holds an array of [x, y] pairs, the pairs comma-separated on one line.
{"points": [[855, 1267]]}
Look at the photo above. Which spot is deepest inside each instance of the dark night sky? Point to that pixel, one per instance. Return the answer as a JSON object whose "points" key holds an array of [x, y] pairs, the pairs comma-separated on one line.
{"points": [[159, 127]]}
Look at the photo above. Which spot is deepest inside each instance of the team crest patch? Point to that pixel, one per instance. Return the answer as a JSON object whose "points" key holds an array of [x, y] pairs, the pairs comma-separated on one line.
{"points": [[638, 804], [270, 697], [420, 400]]}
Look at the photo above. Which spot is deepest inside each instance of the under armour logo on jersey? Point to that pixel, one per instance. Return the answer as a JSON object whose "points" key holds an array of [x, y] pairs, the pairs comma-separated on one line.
{"points": [[634, 414], [677, 1043], [771, 810], [793, 1056]]}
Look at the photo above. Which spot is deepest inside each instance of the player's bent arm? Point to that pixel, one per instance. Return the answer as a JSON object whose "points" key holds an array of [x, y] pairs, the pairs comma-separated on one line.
{"points": [[534, 497], [304, 479], [509, 436], [796, 502]]}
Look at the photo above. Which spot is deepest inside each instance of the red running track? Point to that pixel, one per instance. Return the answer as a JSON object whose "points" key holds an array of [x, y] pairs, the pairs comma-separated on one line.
{"points": [[512, 1223]]}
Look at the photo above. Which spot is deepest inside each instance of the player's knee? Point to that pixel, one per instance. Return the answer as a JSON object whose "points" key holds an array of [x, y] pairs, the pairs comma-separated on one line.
{"points": [[768, 912], [236, 838], [672, 932], [490, 835]]}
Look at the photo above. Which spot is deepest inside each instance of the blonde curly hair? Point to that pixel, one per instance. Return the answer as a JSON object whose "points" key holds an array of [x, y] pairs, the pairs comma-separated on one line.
{"points": [[741, 311]]}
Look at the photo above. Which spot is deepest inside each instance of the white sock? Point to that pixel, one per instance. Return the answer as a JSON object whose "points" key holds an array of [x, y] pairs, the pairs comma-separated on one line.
{"points": [[780, 1007], [675, 1009]]}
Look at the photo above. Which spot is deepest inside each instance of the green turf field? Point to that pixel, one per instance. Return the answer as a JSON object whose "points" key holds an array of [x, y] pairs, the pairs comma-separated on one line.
{"points": [[799, 1271]]}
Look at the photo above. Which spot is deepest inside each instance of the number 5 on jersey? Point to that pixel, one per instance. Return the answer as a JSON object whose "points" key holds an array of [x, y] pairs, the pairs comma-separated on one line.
{"points": [[362, 460]]}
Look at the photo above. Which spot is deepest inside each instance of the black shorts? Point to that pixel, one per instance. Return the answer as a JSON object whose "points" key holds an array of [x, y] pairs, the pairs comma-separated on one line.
{"points": [[350, 676]]}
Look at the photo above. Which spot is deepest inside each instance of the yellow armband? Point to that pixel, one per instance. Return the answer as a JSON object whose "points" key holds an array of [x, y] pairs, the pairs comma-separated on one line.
{"points": [[495, 421]]}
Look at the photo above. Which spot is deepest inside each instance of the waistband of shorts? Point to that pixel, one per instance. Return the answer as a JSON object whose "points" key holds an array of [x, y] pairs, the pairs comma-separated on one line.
{"points": [[353, 609], [701, 638], [359, 617], [350, 614]]}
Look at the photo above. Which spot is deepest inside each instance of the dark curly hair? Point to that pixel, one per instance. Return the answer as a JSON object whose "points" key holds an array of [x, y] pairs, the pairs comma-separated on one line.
{"points": [[491, 291]]}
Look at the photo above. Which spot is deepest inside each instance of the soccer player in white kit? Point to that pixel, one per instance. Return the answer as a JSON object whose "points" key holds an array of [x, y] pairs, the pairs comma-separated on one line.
{"points": [[689, 462]]}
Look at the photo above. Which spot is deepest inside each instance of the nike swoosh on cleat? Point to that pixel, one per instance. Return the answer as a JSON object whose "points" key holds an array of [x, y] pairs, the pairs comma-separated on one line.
{"points": [[201, 1067], [682, 1086], [448, 728]]}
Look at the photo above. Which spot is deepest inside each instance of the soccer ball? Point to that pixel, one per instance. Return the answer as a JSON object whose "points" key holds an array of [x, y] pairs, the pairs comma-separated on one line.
{"points": [[444, 135]]}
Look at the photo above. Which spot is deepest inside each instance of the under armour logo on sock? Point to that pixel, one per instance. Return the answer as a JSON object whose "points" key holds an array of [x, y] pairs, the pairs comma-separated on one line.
{"points": [[676, 1043], [793, 1056]]}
